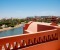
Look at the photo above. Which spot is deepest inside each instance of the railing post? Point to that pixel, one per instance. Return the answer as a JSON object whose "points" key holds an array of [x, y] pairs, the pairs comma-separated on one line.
{"points": [[40, 39], [21, 43], [44, 37], [15, 46], [34, 40], [56, 36]]}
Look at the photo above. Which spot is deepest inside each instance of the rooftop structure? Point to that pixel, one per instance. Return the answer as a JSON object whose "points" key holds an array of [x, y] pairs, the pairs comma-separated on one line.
{"points": [[36, 36]]}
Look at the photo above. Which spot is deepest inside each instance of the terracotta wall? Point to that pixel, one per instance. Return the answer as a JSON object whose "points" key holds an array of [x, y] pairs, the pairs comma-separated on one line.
{"points": [[25, 28], [30, 40], [44, 27], [58, 28]]}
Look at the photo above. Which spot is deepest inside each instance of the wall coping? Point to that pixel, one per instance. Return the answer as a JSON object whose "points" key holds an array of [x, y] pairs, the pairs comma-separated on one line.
{"points": [[27, 34]]}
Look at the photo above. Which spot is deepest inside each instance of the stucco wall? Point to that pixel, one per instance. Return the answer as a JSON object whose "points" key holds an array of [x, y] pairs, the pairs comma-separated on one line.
{"points": [[44, 27], [32, 39]]}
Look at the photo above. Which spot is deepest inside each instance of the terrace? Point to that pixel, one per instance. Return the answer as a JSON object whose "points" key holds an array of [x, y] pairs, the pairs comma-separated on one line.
{"points": [[34, 33]]}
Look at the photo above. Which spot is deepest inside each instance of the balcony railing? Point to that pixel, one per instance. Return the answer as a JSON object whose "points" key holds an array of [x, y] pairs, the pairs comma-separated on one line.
{"points": [[26, 40]]}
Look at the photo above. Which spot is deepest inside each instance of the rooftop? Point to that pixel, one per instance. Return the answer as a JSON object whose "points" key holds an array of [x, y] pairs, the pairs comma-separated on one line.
{"points": [[38, 26]]}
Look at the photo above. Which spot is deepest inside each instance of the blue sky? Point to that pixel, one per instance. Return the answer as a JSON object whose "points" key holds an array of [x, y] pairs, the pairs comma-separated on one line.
{"points": [[24, 8]]}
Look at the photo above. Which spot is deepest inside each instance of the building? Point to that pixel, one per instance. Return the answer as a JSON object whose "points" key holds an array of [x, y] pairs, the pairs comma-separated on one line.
{"points": [[36, 36]]}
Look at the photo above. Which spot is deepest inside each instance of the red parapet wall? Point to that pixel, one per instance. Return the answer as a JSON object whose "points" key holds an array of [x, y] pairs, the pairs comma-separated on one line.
{"points": [[27, 40], [26, 26], [44, 27]]}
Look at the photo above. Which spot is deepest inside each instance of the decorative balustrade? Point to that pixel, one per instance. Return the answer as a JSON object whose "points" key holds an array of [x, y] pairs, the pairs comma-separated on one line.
{"points": [[25, 40]]}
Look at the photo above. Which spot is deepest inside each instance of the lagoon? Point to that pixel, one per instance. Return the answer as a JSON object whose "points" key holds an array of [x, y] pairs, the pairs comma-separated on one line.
{"points": [[11, 32]]}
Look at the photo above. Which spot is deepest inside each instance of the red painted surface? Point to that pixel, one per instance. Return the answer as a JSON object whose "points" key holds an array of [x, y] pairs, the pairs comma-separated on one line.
{"points": [[53, 24], [44, 27], [48, 40], [53, 45], [26, 26]]}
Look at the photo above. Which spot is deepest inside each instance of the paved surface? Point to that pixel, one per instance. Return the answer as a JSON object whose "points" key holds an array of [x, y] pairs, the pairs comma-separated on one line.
{"points": [[53, 45]]}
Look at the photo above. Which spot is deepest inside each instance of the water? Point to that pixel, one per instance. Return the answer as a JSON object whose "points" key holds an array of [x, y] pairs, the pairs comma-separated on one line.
{"points": [[11, 32]]}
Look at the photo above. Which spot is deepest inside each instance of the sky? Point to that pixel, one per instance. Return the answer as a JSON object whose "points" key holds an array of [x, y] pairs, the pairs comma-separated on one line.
{"points": [[25, 8]]}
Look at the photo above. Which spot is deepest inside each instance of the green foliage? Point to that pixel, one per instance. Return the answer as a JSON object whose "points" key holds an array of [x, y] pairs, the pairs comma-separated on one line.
{"points": [[13, 22], [26, 21], [12, 25], [22, 20], [1, 23], [10, 22]]}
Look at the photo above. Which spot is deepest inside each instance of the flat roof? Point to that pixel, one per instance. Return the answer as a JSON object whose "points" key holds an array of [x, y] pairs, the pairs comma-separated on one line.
{"points": [[33, 26]]}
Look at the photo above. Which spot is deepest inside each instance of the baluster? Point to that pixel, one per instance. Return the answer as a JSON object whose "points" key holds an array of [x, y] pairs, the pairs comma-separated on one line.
{"points": [[49, 38], [44, 37], [56, 36], [11, 46], [30, 42], [35, 41], [18, 45], [21, 43], [15, 46], [52, 37], [25, 44], [40, 40], [7, 46], [3, 48]]}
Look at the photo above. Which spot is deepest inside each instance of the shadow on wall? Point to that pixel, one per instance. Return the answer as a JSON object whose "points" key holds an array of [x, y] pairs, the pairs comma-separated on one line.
{"points": [[44, 27]]}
